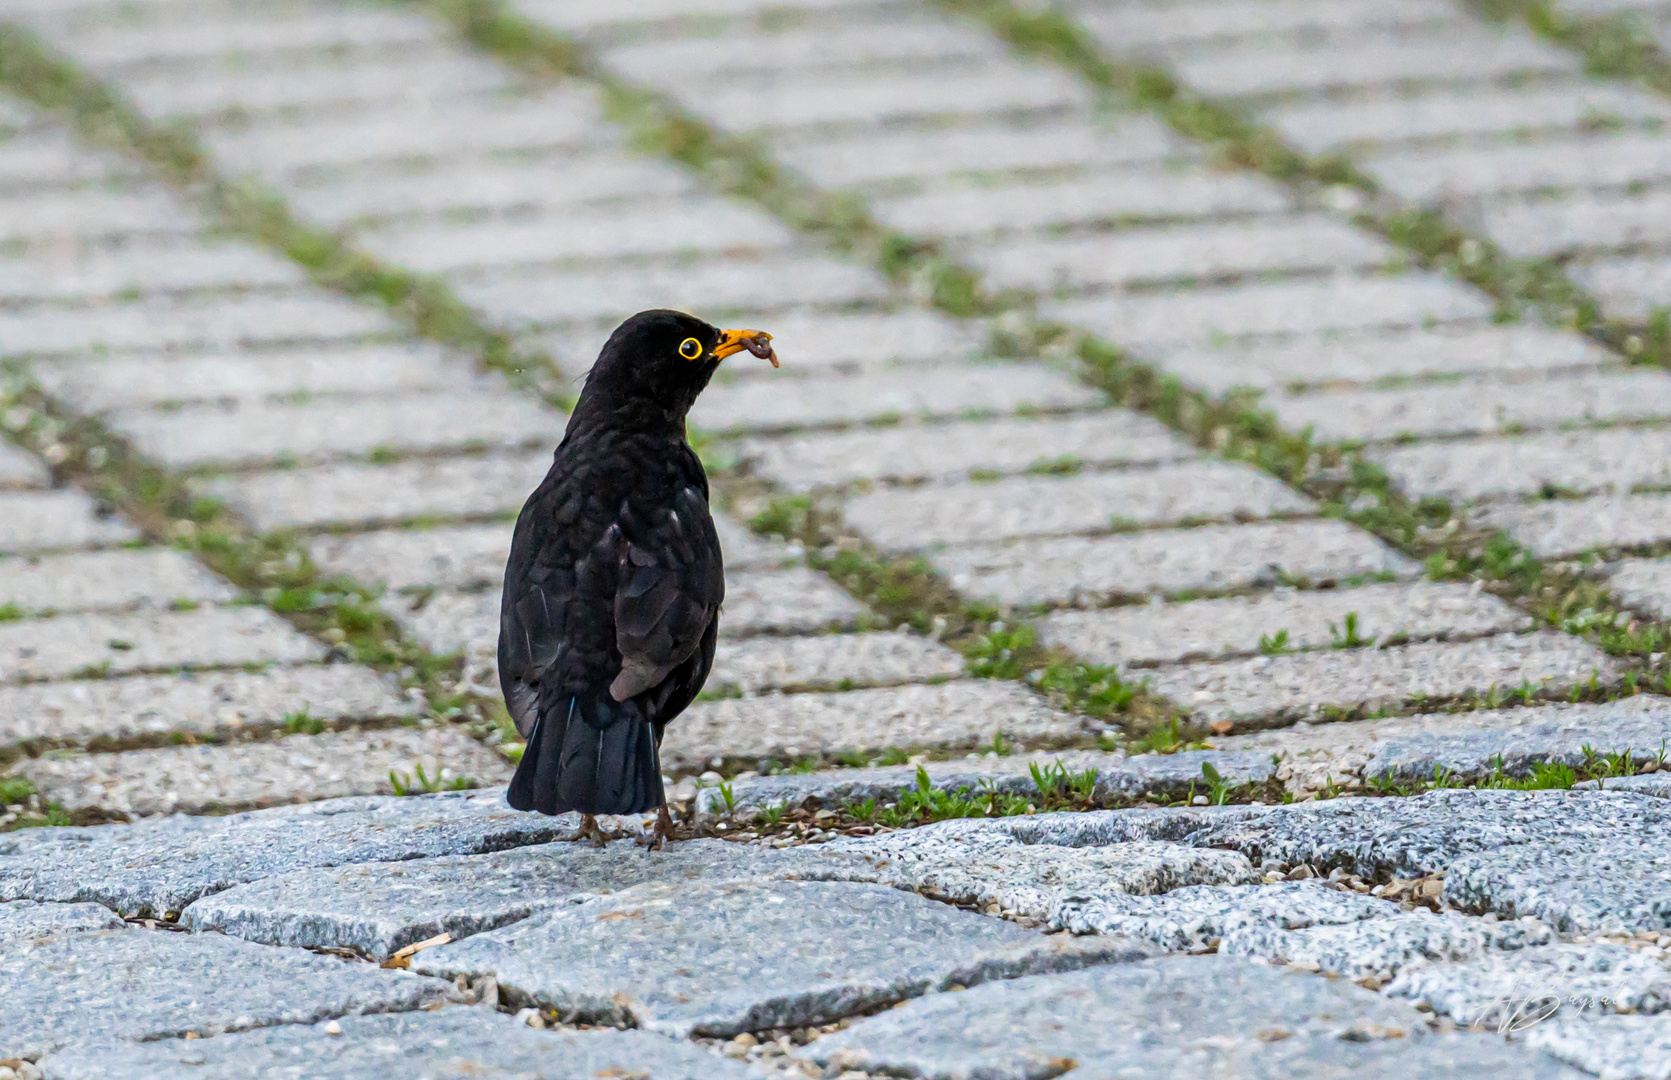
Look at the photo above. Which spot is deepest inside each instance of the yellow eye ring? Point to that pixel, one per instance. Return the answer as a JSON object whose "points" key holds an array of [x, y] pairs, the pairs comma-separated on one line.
{"points": [[690, 348]]}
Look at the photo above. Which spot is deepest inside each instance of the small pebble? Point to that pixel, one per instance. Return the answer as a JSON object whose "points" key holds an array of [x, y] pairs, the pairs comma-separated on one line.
{"points": [[333, 1028]]}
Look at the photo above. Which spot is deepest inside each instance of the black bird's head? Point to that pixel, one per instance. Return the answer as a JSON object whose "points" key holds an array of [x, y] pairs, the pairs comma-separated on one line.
{"points": [[663, 359]]}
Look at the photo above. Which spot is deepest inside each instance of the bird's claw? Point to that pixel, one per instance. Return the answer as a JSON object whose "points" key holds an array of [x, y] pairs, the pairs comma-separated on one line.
{"points": [[660, 833], [589, 830]]}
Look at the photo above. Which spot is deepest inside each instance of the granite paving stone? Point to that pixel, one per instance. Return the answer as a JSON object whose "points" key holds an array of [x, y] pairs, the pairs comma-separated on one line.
{"points": [[159, 866], [244, 775], [965, 712], [255, 432], [1615, 460], [141, 985], [1300, 685], [1193, 917], [1583, 223], [1220, 1016], [1608, 1045], [353, 494], [107, 46], [1425, 834], [194, 703], [1644, 584], [51, 157], [1567, 526], [854, 343], [1562, 980], [21, 470], [463, 557], [795, 600], [191, 322], [980, 388], [1151, 256], [1199, 316], [439, 1044], [903, 519], [1628, 288], [87, 214], [208, 637], [1470, 171], [44, 520], [1472, 408], [1163, 561], [378, 908], [142, 267], [108, 579], [830, 662], [1606, 886], [899, 39], [1117, 777], [1154, 633], [25, 920], [1657, 785], [718, 958], [1382, 948], [1177, 26], [912, 453]]}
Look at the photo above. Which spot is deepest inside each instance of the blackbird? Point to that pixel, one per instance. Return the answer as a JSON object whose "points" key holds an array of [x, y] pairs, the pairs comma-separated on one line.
{"points": [[613, 588]]}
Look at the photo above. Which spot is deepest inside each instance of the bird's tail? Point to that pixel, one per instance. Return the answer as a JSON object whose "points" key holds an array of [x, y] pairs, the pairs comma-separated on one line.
{"points": [[594, 756]]}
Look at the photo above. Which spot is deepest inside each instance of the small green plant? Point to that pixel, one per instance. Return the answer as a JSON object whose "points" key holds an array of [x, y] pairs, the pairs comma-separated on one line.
{"points": [[1166, 738], [784, 517], [894, 755], [301, 722], [1000, 745], [771, 815], [1349, 638], [808, 764], [423, 784], [1218, 788], [11, 612], [15, 789], [728, 796], [1274, 644], [863, 812], [997, 654]]}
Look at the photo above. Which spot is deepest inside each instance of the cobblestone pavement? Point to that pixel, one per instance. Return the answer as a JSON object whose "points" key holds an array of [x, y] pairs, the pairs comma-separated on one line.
{"points": [[1186, 408]]}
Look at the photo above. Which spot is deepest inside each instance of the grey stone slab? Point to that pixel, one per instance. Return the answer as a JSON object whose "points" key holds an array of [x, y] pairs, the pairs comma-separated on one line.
{"points": [[21, 470], [773, 104], [1161, 561], [1258, 68], [65, 216], [1585, 223], [1618, 885], [1117, 197], [1566, 526], [527, 299], [140, 985], [156, 41], [1194, 917], [191, 323], [577, 15], [966, 712], [1425, 834], [872, 157], [914, 518], [1301, 685], [129, 381], [465, 557], [45, 520], [1472, 408], [1312, 620], [830, 662], [377, 908], [375, 494], [1480, 109], [1628, 288], [1438, 176], [25, 920], [1152, 256], [666, 227], [137, 268], [1174, 1017], [51, 156], [947, 452], [160, 866], [1609, 1045], [1205, 316], [1467, 746], [1614, 461], [1382, 948], [742, 549], [718, 958], [449, 622], [789, 601], [108, 579], [485, 184], [208, 637], [776, 404], [1552, 981], [442, 1044], [1642, 583], [857, 343], [257, 432], [245, 775], [1117, 777], [1370, 358], [1129, 26], [194, 703], [1657, 785]]}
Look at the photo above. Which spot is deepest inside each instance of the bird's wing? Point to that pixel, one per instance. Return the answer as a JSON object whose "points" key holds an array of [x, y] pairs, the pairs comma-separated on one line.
{"points": [[669, 587]]}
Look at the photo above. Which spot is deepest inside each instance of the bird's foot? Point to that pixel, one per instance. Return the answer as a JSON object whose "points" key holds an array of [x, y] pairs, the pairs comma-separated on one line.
{"points": [[589, 830], [661, 832]]}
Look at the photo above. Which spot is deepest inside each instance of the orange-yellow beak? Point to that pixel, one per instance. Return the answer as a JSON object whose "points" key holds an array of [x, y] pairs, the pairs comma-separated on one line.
{"points": [[757, 342]]}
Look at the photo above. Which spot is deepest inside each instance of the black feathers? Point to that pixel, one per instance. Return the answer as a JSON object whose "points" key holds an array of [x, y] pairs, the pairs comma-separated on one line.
{"points": [[612, 593]]}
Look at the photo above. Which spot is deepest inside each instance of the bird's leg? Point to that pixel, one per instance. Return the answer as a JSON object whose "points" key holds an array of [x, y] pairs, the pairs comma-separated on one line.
{"points": [[589, 830], [661, 832]]}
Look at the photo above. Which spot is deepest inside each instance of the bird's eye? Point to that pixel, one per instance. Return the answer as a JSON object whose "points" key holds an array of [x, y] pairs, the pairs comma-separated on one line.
{"points": [[690, 348]]}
